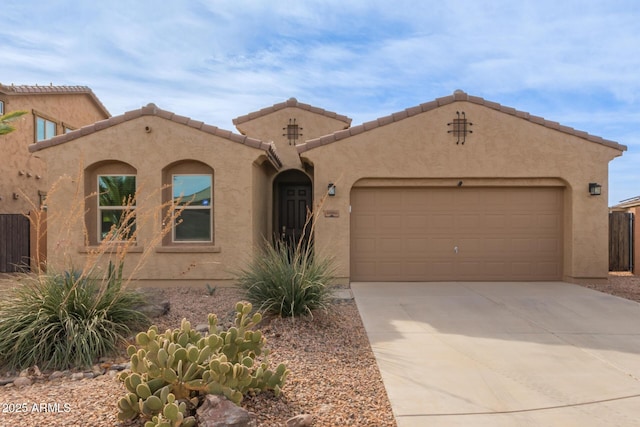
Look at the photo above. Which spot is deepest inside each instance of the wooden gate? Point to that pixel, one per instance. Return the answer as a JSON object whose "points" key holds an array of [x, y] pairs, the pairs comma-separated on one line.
{"points": [[620, 241], [14, 243]]}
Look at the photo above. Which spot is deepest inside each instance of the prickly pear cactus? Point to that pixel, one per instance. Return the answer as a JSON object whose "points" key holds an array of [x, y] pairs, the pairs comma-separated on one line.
{"points": [[169, 372]]}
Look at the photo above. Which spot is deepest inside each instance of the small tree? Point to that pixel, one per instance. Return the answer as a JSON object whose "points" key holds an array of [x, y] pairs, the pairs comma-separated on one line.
{"points": [[5, 127]]}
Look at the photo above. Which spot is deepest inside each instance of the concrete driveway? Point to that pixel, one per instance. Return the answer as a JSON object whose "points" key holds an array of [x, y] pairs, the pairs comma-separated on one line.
{"points": [[504, 354]]}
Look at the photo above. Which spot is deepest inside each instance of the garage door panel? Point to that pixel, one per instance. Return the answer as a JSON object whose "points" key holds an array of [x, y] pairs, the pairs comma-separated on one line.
{"points": [[387, 201], [419, 246], [524, 246], [364, 221], [440, 221], [440, 270], [468, 222], [550, 222], [500, 233], [388, 223], [551, 270], [495, 222], [418, 222], [551, 246], [389, 269], [389, 246], [414, 269]]}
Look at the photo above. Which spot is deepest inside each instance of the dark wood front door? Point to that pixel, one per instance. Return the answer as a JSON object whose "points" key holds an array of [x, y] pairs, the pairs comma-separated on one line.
{"points": [[295, 202]]}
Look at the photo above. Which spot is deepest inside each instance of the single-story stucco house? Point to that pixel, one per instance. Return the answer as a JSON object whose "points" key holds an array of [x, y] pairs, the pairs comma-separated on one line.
{"points": [[458, 188]]}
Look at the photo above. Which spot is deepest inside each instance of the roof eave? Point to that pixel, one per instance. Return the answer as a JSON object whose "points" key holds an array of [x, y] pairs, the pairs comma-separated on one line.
{"points": [[291, 103], [152, 110], [457, 96], [26, 90]]}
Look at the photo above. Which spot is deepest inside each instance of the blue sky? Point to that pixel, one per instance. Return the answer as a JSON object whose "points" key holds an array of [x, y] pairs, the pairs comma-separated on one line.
{"points": [[575, 62]]}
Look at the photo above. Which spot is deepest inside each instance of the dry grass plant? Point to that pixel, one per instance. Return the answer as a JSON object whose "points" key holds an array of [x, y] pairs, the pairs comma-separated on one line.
{"points": [[44, 320], [290, 278]]}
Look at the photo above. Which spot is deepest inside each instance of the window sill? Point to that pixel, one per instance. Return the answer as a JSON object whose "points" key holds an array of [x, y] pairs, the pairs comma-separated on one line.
{"points": [[110, 249], [188, 249]]}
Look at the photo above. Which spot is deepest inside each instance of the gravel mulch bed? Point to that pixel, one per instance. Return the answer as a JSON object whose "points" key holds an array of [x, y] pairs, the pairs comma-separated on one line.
{"points": [[333, 376], [621, 284]]}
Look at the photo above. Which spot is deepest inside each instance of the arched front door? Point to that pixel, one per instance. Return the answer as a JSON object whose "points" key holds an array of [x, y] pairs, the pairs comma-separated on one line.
{"points": [[292, 205]]}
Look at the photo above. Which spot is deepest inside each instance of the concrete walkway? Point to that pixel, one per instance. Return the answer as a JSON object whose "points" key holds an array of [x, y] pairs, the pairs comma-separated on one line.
{"points": [[504, 354]]}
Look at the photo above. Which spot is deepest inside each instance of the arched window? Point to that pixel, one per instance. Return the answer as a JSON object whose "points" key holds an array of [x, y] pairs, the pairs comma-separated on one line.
{"points": [[110, 189], [189, 196], [116, 207]]}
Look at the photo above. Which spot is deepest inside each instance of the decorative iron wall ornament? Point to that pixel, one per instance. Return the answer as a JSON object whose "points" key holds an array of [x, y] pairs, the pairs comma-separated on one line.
{"points": [[293, 131], [460, 127]]}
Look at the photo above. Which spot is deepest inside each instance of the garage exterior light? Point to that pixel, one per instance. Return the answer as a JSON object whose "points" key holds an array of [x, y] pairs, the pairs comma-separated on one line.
{"points": [[595, 189]]}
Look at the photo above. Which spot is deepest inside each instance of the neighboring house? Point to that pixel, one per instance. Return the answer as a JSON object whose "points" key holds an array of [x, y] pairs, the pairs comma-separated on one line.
{"points": [[624, 244], [455, 189], [52, 110]]}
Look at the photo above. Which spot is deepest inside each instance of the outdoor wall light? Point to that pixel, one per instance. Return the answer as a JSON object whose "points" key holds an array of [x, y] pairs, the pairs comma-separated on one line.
{"points": [[595, 189], [331, 189]]}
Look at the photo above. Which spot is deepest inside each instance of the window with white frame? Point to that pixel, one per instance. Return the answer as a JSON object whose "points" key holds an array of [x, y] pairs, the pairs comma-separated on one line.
{"points": [[193, 208], [45, 129], [1, 108], [116, 207]]}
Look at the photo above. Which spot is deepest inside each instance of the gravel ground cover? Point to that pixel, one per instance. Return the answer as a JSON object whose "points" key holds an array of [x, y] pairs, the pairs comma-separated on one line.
{"points": [[334, 375], [621, 284]]}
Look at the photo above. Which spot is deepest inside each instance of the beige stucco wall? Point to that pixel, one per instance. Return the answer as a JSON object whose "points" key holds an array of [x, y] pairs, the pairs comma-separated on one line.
{"points": [[23, 173], [503, 150], [238, 210], [273, 127]]}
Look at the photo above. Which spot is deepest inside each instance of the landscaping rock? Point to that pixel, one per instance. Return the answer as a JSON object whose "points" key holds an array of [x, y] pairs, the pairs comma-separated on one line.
{"points": [[155, 306], [120, 366], [56, 374], [22, 382], [202, 328], [7, 380], [302, 420], [77, 376], [218, 411]]}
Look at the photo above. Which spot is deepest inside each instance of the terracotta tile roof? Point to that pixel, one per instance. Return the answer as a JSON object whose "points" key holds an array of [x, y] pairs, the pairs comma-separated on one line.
{"points": [[153, 110], [51, 89], [290, 103], [627, 203], [457, 96]]}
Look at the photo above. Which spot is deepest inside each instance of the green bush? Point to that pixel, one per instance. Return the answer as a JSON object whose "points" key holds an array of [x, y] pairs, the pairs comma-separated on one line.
{"points": [[170, 372], [288, 280], [59, 321]]}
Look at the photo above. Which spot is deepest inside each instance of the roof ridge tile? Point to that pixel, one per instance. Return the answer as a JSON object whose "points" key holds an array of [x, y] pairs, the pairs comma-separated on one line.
{"points": [[458, 96], [21, 90], [289, 103], [152, 110]]}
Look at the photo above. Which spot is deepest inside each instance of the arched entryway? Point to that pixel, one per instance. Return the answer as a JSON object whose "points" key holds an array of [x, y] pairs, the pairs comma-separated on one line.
{"points": [[292, 200]]}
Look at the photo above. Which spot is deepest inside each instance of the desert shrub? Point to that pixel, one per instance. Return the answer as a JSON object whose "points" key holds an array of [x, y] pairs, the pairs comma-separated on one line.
{"points": [[67, 320], [170, 372], [288, 280]]}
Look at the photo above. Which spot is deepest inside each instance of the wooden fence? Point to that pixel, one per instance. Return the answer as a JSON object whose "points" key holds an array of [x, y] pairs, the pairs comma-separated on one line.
{"points": [[620, 241], [14, 243]]}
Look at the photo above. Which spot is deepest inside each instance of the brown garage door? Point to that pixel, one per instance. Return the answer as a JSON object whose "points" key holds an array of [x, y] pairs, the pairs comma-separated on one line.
{"points": [[433, 234]]}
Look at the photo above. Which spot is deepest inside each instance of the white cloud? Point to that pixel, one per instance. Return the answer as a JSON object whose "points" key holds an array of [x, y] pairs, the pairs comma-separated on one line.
{"points": [[213, 60]]}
